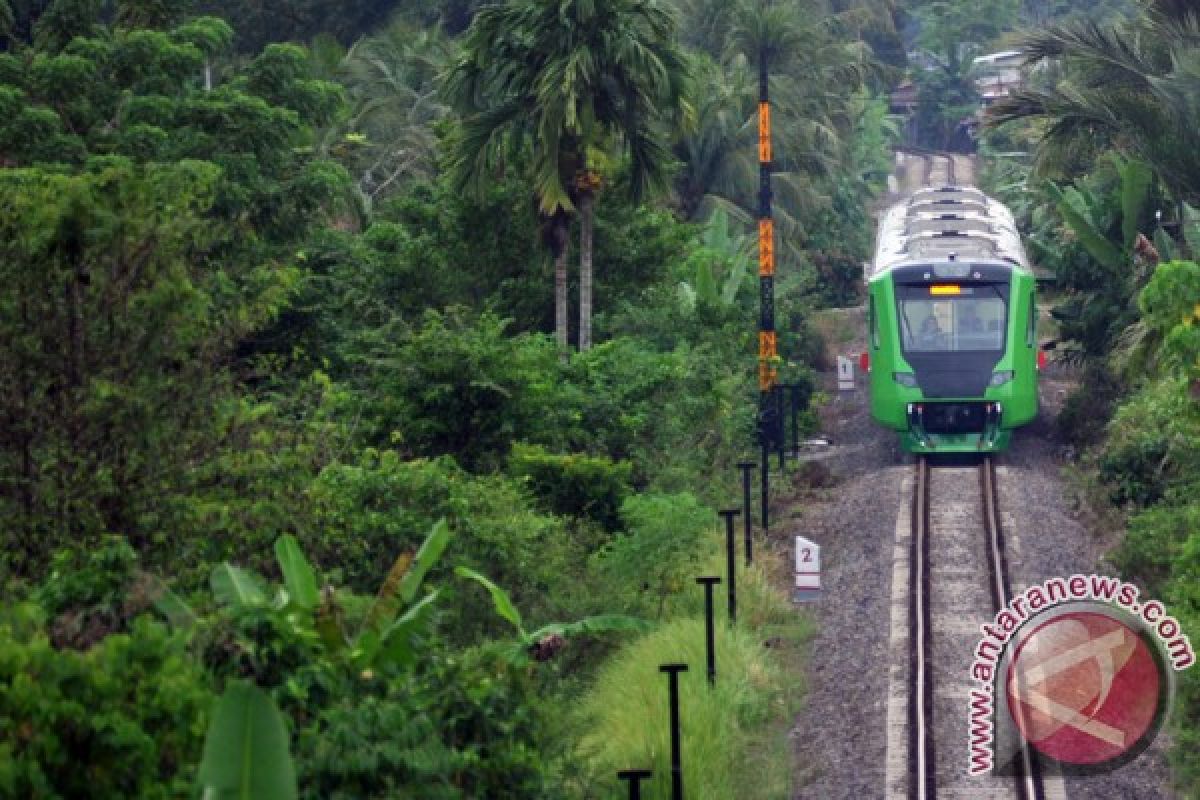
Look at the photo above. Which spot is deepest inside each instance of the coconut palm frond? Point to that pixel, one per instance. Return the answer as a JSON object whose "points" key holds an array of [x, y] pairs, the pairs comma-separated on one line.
{"points": [[1133, 86]]}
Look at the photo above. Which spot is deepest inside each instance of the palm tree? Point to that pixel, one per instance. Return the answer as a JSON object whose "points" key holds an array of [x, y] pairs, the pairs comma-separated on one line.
{"points": [[391, 79], [816, 65], [718, 156], [562, 80], [1131, 86]]}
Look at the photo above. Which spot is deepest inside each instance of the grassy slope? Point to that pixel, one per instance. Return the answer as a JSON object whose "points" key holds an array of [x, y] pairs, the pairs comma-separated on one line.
{"points": [[734, 735]]}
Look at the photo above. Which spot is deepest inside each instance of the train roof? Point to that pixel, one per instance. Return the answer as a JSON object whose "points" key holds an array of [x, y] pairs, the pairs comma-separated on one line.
{"points": [[947, 223]]}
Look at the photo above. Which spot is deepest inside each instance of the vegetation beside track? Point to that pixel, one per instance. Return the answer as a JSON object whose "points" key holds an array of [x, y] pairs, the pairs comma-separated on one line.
{"points": [[289, 458], [735, 734], [1116, 222]]}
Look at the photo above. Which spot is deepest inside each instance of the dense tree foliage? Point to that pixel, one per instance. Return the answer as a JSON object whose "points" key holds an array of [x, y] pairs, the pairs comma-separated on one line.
{"points": [[1129, 86], [566, 81], [285, 436], [145, 217], [1109, 117]]}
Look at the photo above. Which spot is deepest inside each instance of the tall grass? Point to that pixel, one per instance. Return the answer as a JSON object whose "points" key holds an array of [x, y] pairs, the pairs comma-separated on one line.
{"points": [[734, 735]]}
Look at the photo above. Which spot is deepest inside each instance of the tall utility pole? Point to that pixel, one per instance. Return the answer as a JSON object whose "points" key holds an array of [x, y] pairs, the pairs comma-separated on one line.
{"points": [[768, 342]]}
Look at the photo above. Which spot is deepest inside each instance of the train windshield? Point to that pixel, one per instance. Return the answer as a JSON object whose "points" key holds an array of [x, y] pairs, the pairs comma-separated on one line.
{"points": [[952, 318]]}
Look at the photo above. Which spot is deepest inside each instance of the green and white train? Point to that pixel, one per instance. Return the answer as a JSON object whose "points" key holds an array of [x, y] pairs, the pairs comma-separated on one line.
{"points": [[953, 357]]}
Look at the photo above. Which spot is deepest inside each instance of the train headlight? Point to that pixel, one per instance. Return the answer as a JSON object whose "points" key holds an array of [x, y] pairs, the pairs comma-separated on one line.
{"points": [[906, 379], [1001, 378]]}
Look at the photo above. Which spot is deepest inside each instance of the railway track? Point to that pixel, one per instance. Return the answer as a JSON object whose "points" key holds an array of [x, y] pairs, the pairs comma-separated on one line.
{"points": [[939, 169], [936, 168], [950, 575]]}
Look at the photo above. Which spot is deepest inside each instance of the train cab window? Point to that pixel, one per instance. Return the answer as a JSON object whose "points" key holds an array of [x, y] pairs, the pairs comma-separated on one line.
{"points": [[970, 319]]}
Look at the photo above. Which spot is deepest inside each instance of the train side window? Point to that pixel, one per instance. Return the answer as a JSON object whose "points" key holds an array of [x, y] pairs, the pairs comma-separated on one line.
{"points": [[1031, 329], [873, 323]]}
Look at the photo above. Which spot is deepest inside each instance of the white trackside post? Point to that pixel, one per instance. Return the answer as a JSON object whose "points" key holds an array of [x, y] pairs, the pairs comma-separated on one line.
{"points": [[808, 570], [845, 373]]}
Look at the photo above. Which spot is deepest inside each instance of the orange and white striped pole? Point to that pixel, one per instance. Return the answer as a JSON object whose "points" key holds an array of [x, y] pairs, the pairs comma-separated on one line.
{"points": [[768, 346], [768, 340]]}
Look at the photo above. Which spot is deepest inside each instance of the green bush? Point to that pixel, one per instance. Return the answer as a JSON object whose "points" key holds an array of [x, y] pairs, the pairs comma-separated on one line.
{"points": [[368, 513], [1155, 540], [464, 725], [1153, 442], [575, 485], [491, 712], [460, 385], [666, 537], [1134, 469], [1169, 307], [375, 744], [675, 415], [1184, 598], [88, 579], [125, 719]]}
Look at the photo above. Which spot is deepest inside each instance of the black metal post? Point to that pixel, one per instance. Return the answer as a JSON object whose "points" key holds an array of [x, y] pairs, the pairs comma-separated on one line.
{"points": [[795, 391], [777, 428], [731, 561], [747, 519], [764, 483], [710, 642], [673, 671], [635, 778]]}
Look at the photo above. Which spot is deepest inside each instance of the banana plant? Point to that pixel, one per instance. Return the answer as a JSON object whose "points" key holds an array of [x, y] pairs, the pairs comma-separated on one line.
{"points": [[719, 246], [1099, 305], [313, 617], [1089, 217], [246, 753], [545, 642]]}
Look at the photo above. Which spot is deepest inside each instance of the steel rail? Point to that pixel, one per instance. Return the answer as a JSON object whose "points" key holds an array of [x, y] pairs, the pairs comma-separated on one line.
{"points": [[923, 784], [1029, 776], [921, 733]]}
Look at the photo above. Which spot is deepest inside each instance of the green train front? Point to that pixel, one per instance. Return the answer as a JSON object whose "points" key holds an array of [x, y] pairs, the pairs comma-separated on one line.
{"points": [[953, 354]]}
